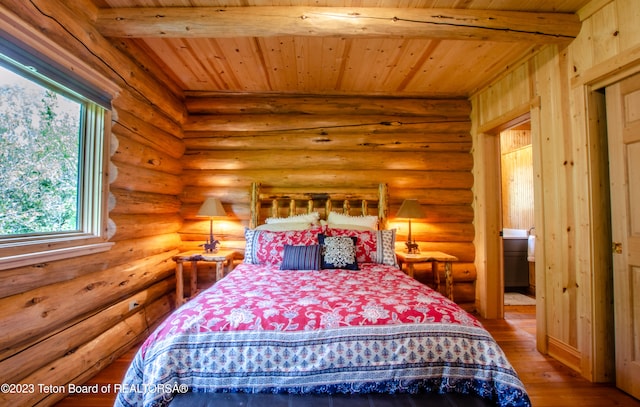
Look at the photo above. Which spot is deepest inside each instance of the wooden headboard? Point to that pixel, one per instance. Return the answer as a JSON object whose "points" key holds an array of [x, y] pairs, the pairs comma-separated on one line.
{"points": [[272, 202]]}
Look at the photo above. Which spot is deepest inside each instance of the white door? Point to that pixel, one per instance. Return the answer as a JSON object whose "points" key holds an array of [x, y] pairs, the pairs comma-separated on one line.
{"points": [[623, 121]]}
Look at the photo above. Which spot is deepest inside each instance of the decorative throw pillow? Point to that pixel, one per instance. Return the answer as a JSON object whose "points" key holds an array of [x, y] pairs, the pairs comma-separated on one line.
{"points": [[338, 252], [301, 257], [267, 247], [374, 246]]}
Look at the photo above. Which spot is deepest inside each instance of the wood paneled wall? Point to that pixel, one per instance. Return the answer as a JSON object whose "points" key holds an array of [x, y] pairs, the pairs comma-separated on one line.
{"points": [[419, 147], [517, 179], [62, 321], [571, 266]]}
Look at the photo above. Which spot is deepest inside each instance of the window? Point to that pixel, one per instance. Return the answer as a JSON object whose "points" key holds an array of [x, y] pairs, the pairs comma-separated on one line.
{"points": [[40, 140], [52, 158]]}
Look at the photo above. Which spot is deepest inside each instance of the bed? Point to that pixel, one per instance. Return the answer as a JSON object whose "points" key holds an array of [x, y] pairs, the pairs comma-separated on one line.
{"points": [[319, 312]]}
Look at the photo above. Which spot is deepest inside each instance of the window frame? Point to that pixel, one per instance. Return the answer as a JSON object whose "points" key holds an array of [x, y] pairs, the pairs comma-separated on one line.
{"points": [[93, 183]]}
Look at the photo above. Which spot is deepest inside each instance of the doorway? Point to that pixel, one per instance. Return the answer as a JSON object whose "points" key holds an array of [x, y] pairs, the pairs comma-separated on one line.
{"points": [[517, 209]]}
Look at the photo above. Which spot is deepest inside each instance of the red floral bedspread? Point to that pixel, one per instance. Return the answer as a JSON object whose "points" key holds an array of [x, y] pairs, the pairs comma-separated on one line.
{"points": [[265, 298], [261, 329]]}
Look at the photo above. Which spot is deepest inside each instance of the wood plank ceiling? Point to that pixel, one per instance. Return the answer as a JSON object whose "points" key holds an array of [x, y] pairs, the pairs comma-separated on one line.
{"points": [[410, 48]]}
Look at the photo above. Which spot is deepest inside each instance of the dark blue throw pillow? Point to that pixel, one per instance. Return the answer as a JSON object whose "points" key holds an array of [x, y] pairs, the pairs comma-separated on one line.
{"points": [[338, 252], [301, 257]]}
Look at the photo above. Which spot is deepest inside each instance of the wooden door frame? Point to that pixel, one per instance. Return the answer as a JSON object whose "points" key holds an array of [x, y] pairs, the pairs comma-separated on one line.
{"points": [[598, 361], [489, 217]]}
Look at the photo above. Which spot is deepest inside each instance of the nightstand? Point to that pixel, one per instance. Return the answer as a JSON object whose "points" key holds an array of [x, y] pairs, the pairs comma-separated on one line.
{"points": [[223, 259], [430, 257]]}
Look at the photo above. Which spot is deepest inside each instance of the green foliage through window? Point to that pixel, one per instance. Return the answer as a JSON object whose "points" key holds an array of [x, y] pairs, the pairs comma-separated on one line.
{"points": [[39, 158]]}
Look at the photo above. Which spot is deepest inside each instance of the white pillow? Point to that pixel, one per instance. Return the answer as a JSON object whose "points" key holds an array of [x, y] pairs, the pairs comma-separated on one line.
{"points": [[284, 226], [351, 226], [309, 218], [364, 220]]}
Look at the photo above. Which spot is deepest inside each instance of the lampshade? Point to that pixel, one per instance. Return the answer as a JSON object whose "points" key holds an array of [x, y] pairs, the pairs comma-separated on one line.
{"points": [[410, 208], [211, 207]]}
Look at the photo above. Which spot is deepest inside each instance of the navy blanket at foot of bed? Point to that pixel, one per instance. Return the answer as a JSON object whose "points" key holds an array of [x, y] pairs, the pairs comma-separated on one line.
{"points": [[326, 400]]}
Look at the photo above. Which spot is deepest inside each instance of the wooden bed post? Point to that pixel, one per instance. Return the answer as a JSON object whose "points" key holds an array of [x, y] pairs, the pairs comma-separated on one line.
{"points": [[383, 205], [346, 207], [255, 205]]}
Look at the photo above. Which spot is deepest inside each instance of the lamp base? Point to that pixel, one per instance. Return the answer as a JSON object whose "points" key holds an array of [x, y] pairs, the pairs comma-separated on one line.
{"points": [[211, 246], [412, 248]]}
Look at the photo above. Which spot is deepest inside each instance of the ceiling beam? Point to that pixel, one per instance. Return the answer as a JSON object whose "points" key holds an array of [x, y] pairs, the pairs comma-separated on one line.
{"points": [[370, 22]]}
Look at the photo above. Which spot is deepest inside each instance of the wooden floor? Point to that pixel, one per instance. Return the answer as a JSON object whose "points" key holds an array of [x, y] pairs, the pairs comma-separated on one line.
{"points": [[548, 383]]}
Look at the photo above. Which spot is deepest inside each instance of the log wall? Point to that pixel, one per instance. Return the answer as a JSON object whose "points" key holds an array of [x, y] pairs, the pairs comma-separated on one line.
{"points": [[572, 270], [63, 321], [420, 148]]}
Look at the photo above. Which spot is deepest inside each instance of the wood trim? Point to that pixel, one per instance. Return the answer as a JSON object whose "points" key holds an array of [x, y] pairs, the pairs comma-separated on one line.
{"points": [[625, 63], [539, 216], [509, 119], [591, 8], [567, 355], [487, 223], [21, 260]]}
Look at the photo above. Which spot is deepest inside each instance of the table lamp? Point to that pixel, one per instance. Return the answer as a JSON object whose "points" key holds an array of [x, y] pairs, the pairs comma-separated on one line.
{"points": [[211, 208], [410, 209]]}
